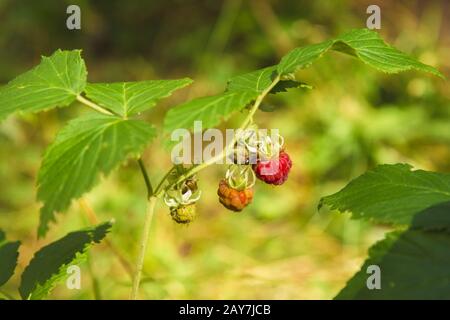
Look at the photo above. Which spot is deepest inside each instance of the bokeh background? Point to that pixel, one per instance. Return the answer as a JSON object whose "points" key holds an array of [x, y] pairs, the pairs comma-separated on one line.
{"points": [[281, 247]]}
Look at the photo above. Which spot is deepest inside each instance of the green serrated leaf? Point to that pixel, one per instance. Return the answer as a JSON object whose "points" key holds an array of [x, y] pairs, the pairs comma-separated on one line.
{"points": [[365, 44], [84, 149], [55, 82], [260, 80], [210, 110], [391, 194], [129, 98], [9, 252], [49, 265], [413, 265]]}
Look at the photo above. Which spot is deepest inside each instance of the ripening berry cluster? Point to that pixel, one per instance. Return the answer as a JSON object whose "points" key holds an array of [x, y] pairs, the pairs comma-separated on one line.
{"points": [[273, 171], [235, 191]]}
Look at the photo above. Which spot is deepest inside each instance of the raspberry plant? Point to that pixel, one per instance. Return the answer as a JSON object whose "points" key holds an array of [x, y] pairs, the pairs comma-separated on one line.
{"points": [[95, 144]]}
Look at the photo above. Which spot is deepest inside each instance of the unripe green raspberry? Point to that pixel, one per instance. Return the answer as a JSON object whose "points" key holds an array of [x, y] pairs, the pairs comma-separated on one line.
{"points": [[183, 214]]}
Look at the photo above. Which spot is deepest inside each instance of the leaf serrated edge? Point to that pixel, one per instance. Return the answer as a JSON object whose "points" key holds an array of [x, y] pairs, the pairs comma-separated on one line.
{"points": [[330, 45]]}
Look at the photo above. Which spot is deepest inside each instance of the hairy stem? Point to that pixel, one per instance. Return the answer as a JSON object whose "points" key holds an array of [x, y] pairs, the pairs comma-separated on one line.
{"points": [[148, 184], [143, 247]]}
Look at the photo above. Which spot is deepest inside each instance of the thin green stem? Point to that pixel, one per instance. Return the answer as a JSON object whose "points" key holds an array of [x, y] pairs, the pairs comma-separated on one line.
{"points": [[143, 247], [148, 184], [164, 178], [95, 106]]}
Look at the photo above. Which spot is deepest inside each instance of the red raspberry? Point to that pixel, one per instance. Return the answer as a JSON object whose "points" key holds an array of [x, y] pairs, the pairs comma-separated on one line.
{"points": [[274, 171], [234, 199]]}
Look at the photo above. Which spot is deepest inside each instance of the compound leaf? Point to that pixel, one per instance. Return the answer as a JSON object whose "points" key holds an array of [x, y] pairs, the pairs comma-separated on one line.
{"points": [[129, 98], [391, 194], [83, 150], [413, 265], [56, 81], [364, 44], [49, 265], [9, 252]]}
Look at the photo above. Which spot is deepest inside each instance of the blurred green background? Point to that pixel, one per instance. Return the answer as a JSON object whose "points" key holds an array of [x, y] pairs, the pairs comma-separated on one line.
{"points": [[281, 247]]}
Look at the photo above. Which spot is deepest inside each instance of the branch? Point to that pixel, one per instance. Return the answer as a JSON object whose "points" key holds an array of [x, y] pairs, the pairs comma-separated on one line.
{"points": [[148, 184]]}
